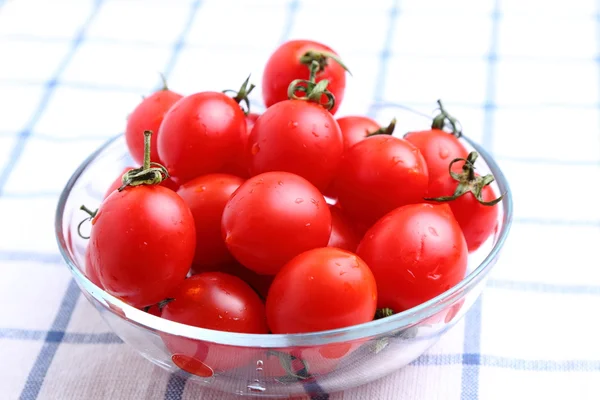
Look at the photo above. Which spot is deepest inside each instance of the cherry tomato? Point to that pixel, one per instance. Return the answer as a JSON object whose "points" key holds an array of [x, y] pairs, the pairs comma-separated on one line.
{"points": [[438, 148], [260, 283], [218, 301], [170, 183], [477, 221], [148, 116], [206, 197], [272, 218], [142, 243], [379, 174], [343, 235], [321, 289], [200, 134], [416, 252], [296, 136], [356, 128], [284, 66]]}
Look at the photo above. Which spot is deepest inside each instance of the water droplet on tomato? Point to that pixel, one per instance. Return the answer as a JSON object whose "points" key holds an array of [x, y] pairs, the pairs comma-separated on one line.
{"points": [[280, 183], [338, 264], [308, 224], [299, 200], [293, 124], [397, 160], [444, 153], [259, 366], [201, 189], [342, 273], [326, 125], [315, 134], [255, 149]]}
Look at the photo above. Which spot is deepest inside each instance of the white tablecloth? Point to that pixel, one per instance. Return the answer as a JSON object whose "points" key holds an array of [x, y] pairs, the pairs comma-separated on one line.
{"points": [[523, 76]]}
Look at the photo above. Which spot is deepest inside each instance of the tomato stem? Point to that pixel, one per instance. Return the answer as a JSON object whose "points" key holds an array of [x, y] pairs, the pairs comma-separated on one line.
{"points": [[163, 80], [386, 130], [321, 57], [311, 90], [91, 214], [468, 182], [241, 95], [383, 313], [443, 119], [150, 173]]}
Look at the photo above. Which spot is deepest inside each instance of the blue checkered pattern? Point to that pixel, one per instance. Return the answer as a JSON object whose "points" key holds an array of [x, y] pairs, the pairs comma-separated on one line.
{"points": [[523, 76]]}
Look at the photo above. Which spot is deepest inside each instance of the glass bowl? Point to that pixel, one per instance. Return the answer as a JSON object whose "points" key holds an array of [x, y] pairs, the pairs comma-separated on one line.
{"points": [[275, 365]]}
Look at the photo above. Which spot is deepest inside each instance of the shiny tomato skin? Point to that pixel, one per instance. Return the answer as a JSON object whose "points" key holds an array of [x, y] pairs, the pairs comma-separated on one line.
{"points": [[200, 134], [476, 221], [217, 301], [355, 128], [416, 252], [298, 137], [250, 121], [321, 289], [260, 283], [284, 66], [343, 234], [206, 197], [438, 148], [90, 271], [273, 217], [148, 116], [142, 243], [379, 174]]}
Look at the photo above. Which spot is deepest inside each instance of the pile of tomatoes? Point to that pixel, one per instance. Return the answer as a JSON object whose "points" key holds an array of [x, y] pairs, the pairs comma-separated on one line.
{"points": [[291, 221]]}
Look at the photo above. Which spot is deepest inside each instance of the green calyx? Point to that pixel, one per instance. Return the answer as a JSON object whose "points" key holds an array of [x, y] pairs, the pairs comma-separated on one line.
{"points": [[150, 173], [322, 58], [311, 90], [443, 120], [241, 95], [468, 182], [383, 313], [385, 130]]}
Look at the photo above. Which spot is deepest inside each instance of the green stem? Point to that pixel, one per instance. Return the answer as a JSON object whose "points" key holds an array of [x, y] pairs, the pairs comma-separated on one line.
{"points": [[150, 173], [386, 130], [383, 313], [91, 215], [241, 95], [311, 90], [444, 118]]}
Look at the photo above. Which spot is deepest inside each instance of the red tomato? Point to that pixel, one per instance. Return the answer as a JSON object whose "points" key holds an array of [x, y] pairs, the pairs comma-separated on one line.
{"points": [[343, 235], [379, 174], [438, 147], [142, 243], [284, 66], [260, 283], [296, 136], [416, 252], [218, 301], [200, 134], [90, 272], [272, 218], [321, 289], [250, 121], [206, 197], [170, 183], [356, 128], [148, 116], [476, 220]]}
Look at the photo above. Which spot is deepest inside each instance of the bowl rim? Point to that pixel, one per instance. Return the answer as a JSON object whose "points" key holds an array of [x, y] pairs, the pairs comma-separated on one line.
{"points": [[396, 322]]}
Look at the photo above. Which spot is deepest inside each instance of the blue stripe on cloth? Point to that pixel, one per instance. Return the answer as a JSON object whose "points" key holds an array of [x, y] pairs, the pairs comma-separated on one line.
{"points": [[175, 387], [538, 287], [43, 258], [489, 106], [53, 339], [181, 40], [470, 357], [472, 336], [508, 363], [66, 337], [384, 58], [289, 20], [51, 85]]}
